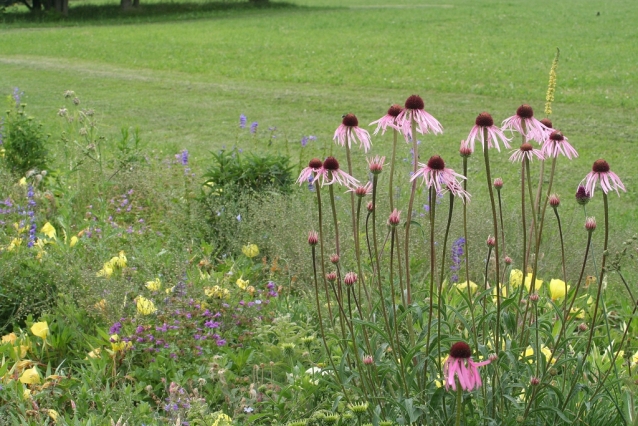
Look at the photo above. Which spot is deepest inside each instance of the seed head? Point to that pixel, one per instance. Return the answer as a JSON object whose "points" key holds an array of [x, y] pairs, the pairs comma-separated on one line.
{"points": [[350, 120], [436, 163], [600, 166], [525, 111], [331, 164], [313, 238], [590, 223], [395, 110], [350, 278], [547, 123], [315, 163], [414, 102], [498, 183], [460, 350], [554, 201], [484, 119]]}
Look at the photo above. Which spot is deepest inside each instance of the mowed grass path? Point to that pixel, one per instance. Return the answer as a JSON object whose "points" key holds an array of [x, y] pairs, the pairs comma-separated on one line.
{"points": [[300, 67]]}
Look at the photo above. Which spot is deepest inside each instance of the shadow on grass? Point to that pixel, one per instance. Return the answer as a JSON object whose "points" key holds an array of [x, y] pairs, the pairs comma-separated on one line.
{"points": [[112, 14]]}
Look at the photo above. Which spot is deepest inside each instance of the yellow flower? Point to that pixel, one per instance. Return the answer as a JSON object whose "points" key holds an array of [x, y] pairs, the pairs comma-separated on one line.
{"points": [[14, 243], [557, 289], [577, 313], [53, 414], [222, 420], [121, 259], [634, 358], [528, 282], [516, 277], [463, 286], [250, 250], [106, 271], [9, 338], [145, 306], [169, 290], [48, 230], [217, 292], [503, 292], [95, 353], [242, 283], [529, 352], [74, 241], [154, 285], [118, 345], [40, 329], [22, 182], [30, 376]]}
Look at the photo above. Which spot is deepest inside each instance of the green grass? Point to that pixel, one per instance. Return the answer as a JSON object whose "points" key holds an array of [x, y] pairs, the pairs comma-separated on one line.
{"points": [[183, 73]]}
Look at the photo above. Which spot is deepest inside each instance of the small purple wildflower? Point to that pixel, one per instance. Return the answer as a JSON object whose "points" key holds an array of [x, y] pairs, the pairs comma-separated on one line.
{"points": [[457, 255], [253, 127], [115, 328], [184, 157], [242, 121]]}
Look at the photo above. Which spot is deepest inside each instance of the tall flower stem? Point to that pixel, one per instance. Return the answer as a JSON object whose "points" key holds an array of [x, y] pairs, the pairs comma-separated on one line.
{"points": [[334, 218], [394, 155], [440, 286], [394, 315], [500, 213], [488, 174], [321, 245], [562, 253], [467, 259], [432, 201], [355, 221], [357, 242], [415, 151], [459, 401]]}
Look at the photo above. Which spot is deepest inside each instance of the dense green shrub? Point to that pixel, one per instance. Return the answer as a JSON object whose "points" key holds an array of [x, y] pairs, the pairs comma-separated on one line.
{"points": [[23, 142]]}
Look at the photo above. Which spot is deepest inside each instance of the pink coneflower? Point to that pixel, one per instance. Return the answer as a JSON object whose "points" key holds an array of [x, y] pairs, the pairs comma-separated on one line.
{"points": [[525, 124], [329, 173], [388, 120], [376, 164], [465, 151], [425, 123], [526, 151], [484, 121], [556, 144], [600, 172], [309, 172], [436, 175], [362, 191], [582, 195], [350, 130], [461, 365]]}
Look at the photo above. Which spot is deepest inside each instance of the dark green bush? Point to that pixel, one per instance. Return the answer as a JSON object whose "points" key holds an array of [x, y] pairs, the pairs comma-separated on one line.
{"points": [[24, 142]]}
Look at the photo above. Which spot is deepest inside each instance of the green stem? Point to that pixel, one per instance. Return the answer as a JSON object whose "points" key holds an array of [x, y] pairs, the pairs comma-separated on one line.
{"points": [[415, 150]]}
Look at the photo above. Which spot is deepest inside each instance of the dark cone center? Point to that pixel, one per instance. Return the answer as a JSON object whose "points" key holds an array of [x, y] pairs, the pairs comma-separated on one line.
{"points": [[460, 350], [526, 147], [350, 120], [331, 164], [525, 111], [395, 110], [557, 136], [315, 163], [600, 166], [436, 163], [484, 119], [547, 123], [414, 102]]}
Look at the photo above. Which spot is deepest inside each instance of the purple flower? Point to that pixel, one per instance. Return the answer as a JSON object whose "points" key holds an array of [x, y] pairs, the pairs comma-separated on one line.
{"points": [[211, 324], [242, 121], [184, 157], [457, 255], [115, 328], [221, 342], [253, 127]]}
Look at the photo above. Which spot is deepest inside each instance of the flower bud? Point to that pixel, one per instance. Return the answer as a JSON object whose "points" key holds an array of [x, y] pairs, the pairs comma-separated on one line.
{"points": [[582, 196], [508, 260], [590, 224], [534, 297], [394, 218], [554, 201], [498, 183], [370, 207], [350, 279], [368, 360], [534, 381], [491, 241], [334, 259], [313, 238], [331, 277]]}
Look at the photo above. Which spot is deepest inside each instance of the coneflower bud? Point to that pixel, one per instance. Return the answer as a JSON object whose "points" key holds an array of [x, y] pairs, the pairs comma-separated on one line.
{"points": [[465, 151], [315, 163], [460, 350], [313, 238], [368, 360], [554, 201], [525, 111], [498, 183], [534, 381], [361, 191], [491, 241], [370, 206], [331, 276], [508, 260], [582, 196], [394, 218], [582, 327], [484, 119], [334, 259], [350, 120], [414, 102], [590, 224], [350, 278], [376, 164], [534, 297]]}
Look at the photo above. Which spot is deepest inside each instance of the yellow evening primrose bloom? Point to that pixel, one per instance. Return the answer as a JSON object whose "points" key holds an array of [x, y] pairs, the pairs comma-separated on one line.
{"points": [[242, 283], [634, 358], [9, 338], [250, 250], [74, 241], [14, 243], [528, 283], [26, 393], [463, 286], [516, 277], [503, 292], [154, 285], [22, 182], [529, 352], [145, 306], [48, 230], [40, 329], [557, 289], [106, 271], [95, 353], [53, 414], [30, 376]]}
